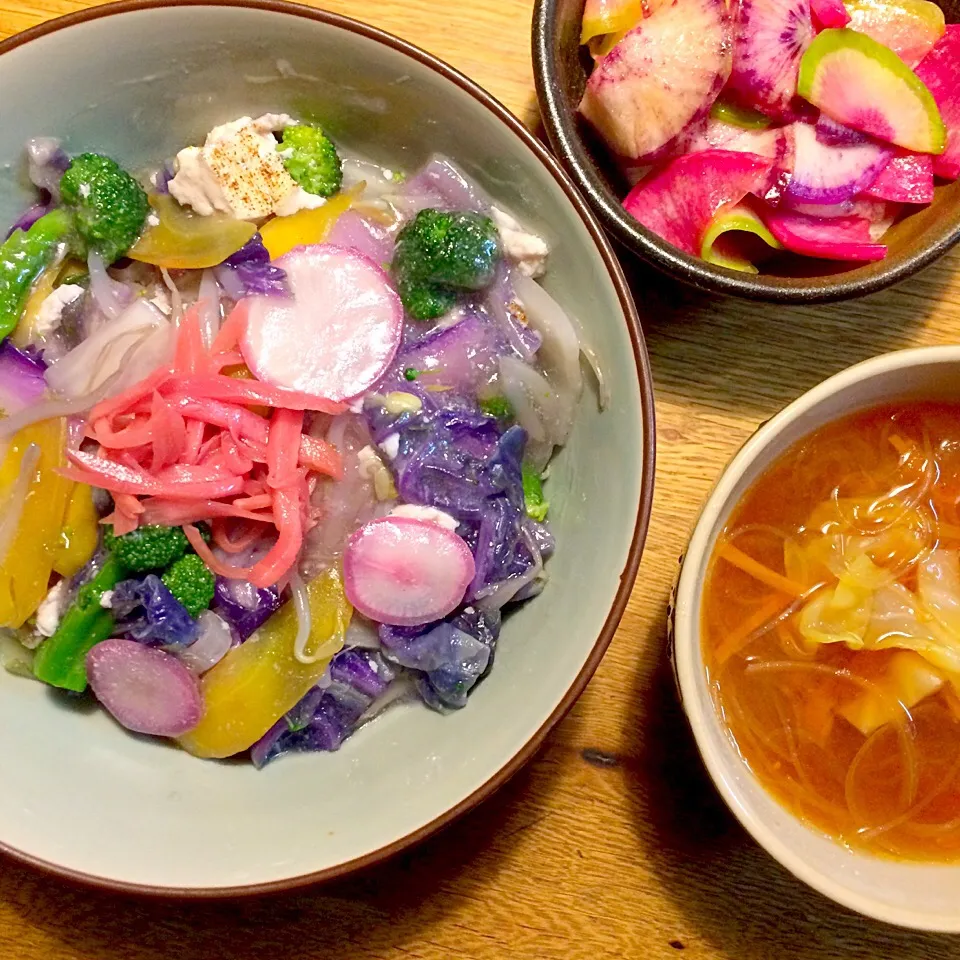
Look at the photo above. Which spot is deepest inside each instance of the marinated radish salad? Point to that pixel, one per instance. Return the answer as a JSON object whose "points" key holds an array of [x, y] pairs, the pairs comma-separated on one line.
{"points": [[275, 429], [758, 127]]}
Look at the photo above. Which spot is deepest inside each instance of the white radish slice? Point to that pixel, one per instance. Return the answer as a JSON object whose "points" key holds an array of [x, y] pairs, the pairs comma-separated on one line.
{"points": [[405, 572], [338, 333], [146, 690]]}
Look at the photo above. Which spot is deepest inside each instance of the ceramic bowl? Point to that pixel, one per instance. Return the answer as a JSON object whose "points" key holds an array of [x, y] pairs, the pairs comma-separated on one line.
{"points": [[561, 68], [924, 896], [85, 799]]}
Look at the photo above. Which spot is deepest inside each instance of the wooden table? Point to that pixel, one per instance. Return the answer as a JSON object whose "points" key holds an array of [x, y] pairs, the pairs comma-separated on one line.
{"points": [[612, 843]]}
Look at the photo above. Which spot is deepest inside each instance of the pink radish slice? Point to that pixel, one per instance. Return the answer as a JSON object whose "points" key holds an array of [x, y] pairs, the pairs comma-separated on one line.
{"points": [[829, 13], [864, 208], [405, 572], [842, 238], [770, 37], [146, 690], [661, 77], [940, 71], [679, 201], [832, 174], [907, 178], [337, 335]]}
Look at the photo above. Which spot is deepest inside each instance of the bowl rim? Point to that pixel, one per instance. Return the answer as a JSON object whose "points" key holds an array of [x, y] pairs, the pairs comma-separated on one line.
{"points": [[688, 661], [566, 142], [647, 464]]}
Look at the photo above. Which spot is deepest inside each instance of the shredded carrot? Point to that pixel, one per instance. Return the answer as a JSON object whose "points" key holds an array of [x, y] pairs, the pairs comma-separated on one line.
{"points": [[734, 642], [899, 444], [774, 580]]}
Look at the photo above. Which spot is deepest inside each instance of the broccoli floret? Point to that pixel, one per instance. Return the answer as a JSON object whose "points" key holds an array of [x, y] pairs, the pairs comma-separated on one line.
{"points": [[189, 580], [109, 205], [147, 548], [440, 254], [536, 506], [311, 159], [24, 255]]}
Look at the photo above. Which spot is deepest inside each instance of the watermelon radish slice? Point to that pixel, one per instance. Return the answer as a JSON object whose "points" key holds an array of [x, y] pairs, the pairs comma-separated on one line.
{"points": [[770, 38], [727, 238], [864, 208], [338, 333], [832, 174], [829, 13], [910, 28], [146, 690], [678, 202], [907, 178], [406, 572], [661, 77], [842, 238], [940, 71], [835, 134], [858, 82]]}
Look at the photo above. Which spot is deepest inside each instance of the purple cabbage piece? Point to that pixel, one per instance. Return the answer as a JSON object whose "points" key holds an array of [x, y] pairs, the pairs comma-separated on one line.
{"points": [[162, 178], [244, 606], [327, 715], [28, 218], [46, 163], [357, 233], [148, 612], [451, 656], [21, 378], [250, 272], [442, 186], [457, 460], [462, 356], [498, 300]]}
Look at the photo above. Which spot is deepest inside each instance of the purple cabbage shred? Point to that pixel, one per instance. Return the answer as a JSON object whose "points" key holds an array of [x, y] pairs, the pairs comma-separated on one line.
{"points": [[244, 606], [328, 714], [250, 272], [148, 612]]}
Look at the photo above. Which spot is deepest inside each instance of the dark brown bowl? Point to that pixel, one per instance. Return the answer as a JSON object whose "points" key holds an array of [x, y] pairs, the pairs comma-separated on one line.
{"points": [[561, 69]]}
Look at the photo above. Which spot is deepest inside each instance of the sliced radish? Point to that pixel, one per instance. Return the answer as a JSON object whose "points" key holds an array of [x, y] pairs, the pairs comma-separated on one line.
{"points": [[832, 174], [661, 77], [829, 13], [865, 85], [940, 71], [909, 28], [842, 238], [679, 202], [770, 37], [337, 335], [146, 690], [907, 178], [405, 572]]}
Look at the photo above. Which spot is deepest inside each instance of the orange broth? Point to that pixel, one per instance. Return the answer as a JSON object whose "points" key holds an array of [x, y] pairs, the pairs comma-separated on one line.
{"points": [[891, 477]]}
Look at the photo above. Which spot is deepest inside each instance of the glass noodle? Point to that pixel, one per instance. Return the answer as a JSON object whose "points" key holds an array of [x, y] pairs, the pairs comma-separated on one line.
{"points": [[831, 630]]}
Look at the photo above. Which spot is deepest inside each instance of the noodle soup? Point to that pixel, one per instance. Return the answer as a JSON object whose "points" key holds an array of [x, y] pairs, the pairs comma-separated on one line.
{"points": [[831, 630]]}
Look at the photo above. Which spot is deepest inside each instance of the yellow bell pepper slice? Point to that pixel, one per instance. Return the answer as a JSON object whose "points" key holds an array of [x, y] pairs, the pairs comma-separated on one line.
{"points": [[255, 684], [281, 234], [26, 568], [187, 241], [78, 536], [24, 331]]}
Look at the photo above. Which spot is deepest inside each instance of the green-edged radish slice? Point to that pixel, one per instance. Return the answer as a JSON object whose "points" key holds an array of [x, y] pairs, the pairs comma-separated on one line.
{"points": [[865, 85], [730, 251], [738, 116]]}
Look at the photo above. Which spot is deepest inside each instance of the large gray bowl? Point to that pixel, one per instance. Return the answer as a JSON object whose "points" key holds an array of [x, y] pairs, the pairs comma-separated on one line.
{"points": [[83, 798]]}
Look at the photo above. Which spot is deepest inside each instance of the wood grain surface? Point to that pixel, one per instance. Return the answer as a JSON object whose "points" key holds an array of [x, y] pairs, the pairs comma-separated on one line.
{"points": [[612, 843]]}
